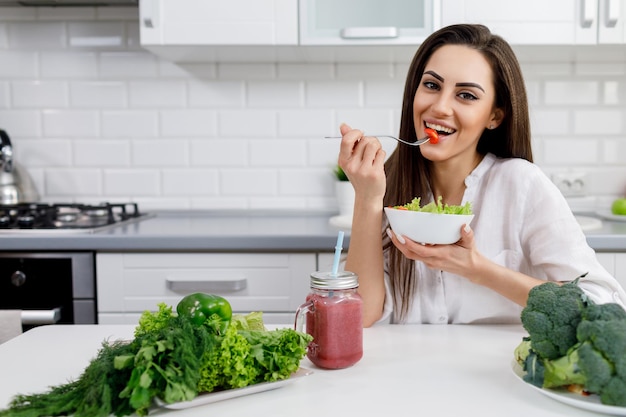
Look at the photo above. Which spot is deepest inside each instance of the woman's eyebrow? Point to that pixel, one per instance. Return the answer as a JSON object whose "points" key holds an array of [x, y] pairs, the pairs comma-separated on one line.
{"points": [[440, 78]]}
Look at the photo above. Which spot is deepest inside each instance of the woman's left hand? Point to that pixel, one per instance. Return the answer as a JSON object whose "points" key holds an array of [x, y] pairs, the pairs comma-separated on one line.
{"points": [[460, 258]]}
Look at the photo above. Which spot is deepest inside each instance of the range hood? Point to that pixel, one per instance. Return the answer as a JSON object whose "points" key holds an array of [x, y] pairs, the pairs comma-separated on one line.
{"points": [[67, 3]]}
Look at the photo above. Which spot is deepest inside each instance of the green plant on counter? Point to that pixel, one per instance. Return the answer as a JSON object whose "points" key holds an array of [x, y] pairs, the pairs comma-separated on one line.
{"points": [[340, 175]]}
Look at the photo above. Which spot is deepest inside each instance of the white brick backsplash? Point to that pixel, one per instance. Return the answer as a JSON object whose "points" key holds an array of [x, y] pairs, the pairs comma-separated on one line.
{"points": [[370, 71], [190, 182], [18, 65], [305, 123], [102, 153], [277, 153], [550, 122], [128, 65], [43, 153], [38, 94], [216, 94], [181, 123], [157, 94], [386, 94], [571, 152], [247, 123], [129, 123], [219, 152], [37, 35], [95, 117], [4, 95], [275, 94], [70, 123], [69, 65], [571, 93], [73, 182], [334, 94], [244, 182], [96, 34], [107, 94], [4, 39], [160, 153], [312, 182], [21, 122], [598, 122], [614, 152], [246, 71], [132, 182], [288, 71]]}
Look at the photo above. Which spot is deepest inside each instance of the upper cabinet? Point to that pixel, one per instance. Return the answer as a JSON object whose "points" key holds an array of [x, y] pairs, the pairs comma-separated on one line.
{"points": [[216, 22], [366, 22], [324, 30], [541, 22]]}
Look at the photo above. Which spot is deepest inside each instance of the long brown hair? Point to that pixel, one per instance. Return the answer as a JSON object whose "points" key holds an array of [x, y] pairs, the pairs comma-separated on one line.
{"points": [[408, 172]]}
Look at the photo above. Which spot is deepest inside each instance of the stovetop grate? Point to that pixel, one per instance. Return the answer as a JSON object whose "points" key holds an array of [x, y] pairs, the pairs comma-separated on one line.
{"points": [[36, 216]]}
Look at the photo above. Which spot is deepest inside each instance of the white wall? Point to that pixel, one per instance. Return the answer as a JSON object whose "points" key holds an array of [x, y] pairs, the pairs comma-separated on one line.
{"points": [[94, 117]]}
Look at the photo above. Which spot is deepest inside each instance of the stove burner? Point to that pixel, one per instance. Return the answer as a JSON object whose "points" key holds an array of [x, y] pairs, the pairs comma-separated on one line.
{"points": [[65, 216]]}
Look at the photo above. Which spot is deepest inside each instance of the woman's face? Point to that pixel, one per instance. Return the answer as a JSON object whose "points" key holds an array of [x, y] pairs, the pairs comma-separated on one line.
{"points": [[455, 97]]}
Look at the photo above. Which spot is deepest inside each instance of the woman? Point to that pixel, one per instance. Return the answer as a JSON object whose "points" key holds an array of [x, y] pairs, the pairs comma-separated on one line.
{"points": [[466, 83]]}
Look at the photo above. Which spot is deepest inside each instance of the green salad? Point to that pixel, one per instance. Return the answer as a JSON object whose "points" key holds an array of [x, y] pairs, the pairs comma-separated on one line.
{"points": [[436, 207]]}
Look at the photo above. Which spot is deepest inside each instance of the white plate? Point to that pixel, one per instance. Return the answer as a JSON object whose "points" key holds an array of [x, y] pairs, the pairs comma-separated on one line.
{"points": [[341, 222], [590, 402], [211, 397], [606, 214]]}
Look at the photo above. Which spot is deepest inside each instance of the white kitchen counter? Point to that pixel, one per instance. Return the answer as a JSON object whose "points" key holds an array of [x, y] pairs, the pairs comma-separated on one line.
{"points": [[421, 370]]}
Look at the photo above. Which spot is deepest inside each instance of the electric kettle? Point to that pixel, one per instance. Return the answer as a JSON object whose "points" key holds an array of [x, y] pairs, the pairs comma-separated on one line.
{"points": [[16, 186]]}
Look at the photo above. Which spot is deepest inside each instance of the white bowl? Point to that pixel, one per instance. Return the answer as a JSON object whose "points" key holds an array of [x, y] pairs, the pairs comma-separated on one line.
{"points": [[424, 227]]}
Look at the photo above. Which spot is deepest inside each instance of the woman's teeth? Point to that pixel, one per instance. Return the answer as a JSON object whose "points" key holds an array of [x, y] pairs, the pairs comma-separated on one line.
{"points": [[440, 129]]}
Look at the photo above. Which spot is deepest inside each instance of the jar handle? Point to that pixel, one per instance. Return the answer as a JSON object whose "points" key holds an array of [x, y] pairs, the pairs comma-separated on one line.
{"points": [[300, 313]]}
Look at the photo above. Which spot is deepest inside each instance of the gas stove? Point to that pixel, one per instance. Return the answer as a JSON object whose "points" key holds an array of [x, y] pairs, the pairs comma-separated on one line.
{"points": [[68, 218]]}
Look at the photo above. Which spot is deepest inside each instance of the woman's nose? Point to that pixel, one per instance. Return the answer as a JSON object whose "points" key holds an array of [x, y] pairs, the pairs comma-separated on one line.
{"points": [[442, 105]]}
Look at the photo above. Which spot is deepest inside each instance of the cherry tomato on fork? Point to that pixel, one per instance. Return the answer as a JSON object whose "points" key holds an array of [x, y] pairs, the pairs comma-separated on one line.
{"points": [[432, 134]]}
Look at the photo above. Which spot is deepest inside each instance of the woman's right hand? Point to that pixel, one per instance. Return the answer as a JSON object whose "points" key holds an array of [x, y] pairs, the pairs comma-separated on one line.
{"points": [[362, 158]]}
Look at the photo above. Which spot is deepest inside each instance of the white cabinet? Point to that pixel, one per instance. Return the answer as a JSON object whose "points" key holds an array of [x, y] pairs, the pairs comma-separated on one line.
{"points": [[366, 22], [130, 283], [530, 22], [612, 22], [540, 22], [214, 22], [615, 263]]}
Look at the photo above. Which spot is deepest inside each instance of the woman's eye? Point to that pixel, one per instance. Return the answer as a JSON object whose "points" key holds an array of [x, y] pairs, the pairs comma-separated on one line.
{"points": [[431, 85], [468, 96]]}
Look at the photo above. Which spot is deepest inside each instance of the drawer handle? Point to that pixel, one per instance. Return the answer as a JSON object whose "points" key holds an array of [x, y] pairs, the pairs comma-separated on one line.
{"points": [[193, 285], [369, 32], [38, 317]]}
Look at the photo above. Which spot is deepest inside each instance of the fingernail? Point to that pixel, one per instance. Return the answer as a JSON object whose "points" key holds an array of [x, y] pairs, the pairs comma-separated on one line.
{"points": [[400, 239], [467, 228], [389, 233]]}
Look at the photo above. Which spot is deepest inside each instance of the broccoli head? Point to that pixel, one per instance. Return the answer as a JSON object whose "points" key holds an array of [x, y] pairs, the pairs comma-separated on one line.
{"points": [[597, 362], [551, 316]]}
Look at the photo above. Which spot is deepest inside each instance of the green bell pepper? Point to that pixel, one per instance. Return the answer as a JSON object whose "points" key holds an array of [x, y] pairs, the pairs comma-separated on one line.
{"points": [[206, 309]]}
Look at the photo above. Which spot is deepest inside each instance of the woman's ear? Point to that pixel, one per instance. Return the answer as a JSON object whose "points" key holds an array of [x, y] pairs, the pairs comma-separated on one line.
{"points": [[496, 118]]}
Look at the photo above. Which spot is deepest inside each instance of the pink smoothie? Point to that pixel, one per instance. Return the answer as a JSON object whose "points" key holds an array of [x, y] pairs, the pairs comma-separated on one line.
{"points": [[337, 329]]}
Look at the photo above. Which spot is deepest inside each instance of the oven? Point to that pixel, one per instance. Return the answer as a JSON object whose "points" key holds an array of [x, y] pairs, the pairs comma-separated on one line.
{"points": [[55, 286], [49, 287]]}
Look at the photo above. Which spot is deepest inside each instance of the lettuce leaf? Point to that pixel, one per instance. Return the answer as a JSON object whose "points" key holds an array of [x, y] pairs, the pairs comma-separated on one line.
{"points": [[437, 207]]}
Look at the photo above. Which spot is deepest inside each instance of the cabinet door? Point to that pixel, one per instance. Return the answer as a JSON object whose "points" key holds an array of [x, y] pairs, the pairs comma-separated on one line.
{"points": [[135, 282], [530, 22], [612, 22], [366, 22], [215, 22]]}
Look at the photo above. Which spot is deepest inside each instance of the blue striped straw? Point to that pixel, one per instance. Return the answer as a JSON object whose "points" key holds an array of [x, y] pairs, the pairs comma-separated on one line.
{"points": [[338, 249]]}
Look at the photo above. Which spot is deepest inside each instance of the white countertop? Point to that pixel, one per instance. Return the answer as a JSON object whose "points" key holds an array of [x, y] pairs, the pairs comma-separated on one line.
{"points": [[421, 370]]}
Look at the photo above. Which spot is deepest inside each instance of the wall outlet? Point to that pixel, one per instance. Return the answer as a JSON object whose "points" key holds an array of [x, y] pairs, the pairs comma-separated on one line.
{"points": [[571, 184]]}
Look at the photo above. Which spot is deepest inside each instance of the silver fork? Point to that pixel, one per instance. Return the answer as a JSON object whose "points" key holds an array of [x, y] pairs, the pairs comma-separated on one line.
{"points": [[416, 143]]}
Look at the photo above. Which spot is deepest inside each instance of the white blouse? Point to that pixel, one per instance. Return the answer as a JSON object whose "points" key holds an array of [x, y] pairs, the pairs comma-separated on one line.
{"points": [[523, 222]]}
